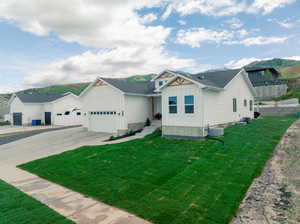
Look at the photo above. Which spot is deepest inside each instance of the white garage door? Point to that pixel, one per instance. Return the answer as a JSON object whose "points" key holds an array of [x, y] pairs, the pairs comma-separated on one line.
{"points": [[103, 121]]}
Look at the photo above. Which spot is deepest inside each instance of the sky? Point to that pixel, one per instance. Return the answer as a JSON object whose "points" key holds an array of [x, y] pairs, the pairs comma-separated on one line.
{"points": [[57, 42]]}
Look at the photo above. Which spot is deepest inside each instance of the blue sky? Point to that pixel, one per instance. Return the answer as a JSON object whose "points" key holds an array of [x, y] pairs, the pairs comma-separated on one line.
{"points": [[45, 43]]}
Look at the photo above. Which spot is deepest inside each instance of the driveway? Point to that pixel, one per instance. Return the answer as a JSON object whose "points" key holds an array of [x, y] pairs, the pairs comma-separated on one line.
{"points": [[46, 144]]}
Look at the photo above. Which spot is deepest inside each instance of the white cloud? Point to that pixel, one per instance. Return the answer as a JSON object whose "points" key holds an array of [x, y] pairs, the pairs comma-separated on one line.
{"points": [[182, 22], [242, 62], [257, 41], [235, 23], [126, 45], [196, 36], [223, 7], [148, 18], [286, 23], [118, 62], [296, 58]]}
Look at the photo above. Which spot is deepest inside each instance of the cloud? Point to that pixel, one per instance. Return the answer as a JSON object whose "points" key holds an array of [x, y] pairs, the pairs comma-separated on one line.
{"points": [[260, 40], [235, 23], [223, 7], [196, 36], [182, 22], [286, 23], [118, 62], [148, 18]]}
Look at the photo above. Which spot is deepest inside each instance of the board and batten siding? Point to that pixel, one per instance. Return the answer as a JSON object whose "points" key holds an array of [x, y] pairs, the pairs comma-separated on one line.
{"points": [[181, 118], [218, 106], [104, 98], [30, 111], [137, 109]]}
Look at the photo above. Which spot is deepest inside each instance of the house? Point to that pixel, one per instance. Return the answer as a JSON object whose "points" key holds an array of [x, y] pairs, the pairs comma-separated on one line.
{"points": [[188, 103], [191, 103], [116, 106], [267, 83], [45, 108]]}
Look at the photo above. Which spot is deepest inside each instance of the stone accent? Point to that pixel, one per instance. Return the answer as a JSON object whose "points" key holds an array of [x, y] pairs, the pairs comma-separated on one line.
{"points": [[183, 131], [136, 126]]}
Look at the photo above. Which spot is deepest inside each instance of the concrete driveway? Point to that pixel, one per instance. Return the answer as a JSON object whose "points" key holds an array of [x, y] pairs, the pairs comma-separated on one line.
{"points": [[46, 144]]}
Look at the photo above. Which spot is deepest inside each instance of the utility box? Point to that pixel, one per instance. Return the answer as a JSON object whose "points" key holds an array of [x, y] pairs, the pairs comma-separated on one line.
{"points": [[215, 132]]}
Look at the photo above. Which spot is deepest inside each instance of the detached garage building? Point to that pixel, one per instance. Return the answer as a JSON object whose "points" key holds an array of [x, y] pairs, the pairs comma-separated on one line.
{"points": [[45, 109]]}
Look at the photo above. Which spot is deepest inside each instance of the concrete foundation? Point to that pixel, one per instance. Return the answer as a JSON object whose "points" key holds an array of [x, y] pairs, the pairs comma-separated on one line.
{"points": [[181, 131]]}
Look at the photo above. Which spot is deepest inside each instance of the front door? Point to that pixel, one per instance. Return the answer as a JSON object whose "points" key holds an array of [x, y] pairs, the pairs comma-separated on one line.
{"points": [[47, 118]]}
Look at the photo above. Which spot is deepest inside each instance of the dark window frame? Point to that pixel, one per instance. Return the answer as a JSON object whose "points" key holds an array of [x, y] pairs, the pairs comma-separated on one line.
{"points": [[234, 105], [172, 103], [188, 105]]}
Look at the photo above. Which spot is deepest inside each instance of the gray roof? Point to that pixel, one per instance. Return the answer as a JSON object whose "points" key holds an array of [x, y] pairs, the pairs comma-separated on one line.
{"points": [[36, 97], [217, 79], [125, 86]]}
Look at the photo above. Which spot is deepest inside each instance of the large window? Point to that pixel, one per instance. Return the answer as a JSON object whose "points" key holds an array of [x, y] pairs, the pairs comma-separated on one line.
{"points": [[234, 105], [189, 104], [251, 105], [173, 104]]}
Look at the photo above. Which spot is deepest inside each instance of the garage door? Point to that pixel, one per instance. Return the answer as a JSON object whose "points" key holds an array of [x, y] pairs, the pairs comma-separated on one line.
{"points": [[103, 121], [17, 119]]}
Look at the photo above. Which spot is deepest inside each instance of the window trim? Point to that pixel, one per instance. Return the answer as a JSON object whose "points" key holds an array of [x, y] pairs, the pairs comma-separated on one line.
{"points": [[187, 104], [173, 105]]}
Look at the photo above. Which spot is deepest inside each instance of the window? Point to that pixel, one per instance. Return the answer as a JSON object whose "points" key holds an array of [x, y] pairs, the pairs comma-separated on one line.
{"points": [[160, 83], [173, 104], [251, 105], [78, 113], [58, 114], [189, 104], [245, 103], [234, 104], [67, 113]]}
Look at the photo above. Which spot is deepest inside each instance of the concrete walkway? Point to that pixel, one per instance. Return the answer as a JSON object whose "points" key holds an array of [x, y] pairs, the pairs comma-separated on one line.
{"points": [[77, 207]]}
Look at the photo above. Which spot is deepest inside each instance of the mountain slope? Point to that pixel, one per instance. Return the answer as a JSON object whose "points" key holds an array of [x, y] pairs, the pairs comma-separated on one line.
{"points": [[276, 63], [290, 72]]}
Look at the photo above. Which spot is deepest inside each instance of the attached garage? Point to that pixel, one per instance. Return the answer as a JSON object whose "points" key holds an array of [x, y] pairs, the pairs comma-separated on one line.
{"points": [[17, 119], [104, 121]]}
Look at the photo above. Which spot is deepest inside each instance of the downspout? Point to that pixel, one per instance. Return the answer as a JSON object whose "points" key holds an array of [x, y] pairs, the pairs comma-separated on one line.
{"points": [[203, 110]]}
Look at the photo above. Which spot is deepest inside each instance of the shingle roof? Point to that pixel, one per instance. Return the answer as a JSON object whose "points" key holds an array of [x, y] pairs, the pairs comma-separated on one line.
{"points": [[217, 79], [35, 97], [146, 87]]}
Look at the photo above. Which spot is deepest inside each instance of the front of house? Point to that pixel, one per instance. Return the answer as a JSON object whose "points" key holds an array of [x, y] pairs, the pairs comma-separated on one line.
{"points": [[187, 103]]}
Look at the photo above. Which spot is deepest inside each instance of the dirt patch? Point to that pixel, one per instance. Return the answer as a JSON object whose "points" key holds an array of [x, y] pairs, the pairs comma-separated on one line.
{"points": [[274, 197]]}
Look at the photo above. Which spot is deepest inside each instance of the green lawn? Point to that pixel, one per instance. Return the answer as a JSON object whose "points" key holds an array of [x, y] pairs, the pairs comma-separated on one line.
{"points": [[18, 208], [170, 181]]}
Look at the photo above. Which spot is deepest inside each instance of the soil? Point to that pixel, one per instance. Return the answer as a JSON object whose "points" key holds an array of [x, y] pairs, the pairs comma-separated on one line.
{"points": [[274, 197]]}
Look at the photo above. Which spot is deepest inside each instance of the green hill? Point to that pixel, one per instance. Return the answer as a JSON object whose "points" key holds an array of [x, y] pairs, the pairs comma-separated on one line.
{"points": [[291, 72], [276, 63]]}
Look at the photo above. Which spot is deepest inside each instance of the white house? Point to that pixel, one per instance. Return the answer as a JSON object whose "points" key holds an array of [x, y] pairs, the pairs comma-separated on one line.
{"points": [[188, 103], [48, 109], [192, 103]]}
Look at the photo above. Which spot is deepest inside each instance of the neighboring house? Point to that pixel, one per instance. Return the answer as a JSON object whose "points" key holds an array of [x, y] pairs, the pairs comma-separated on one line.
{"points": [[267, 83], [192, 103], [48, 109], [4, 108], [188, 103]]}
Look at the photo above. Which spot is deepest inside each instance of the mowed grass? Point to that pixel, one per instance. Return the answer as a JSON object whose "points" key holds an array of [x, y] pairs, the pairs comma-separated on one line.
{"points": [[18, 208], [170, 181]]}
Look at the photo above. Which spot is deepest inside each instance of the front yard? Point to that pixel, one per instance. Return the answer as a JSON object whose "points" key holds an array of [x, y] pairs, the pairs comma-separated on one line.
{"points": [[167, 180], [18, 208]]}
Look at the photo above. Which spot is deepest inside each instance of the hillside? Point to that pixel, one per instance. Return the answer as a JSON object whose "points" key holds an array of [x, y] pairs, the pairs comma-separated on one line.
{"points": [[276, 63], [290, 72]]}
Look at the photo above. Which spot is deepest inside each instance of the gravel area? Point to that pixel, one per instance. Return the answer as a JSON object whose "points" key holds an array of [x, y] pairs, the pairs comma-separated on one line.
{"points": [[274, 197]]}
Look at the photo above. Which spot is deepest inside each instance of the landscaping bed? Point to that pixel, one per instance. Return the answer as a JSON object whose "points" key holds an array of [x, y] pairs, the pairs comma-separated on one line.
{"points": [[19, 208], [170, 180]]}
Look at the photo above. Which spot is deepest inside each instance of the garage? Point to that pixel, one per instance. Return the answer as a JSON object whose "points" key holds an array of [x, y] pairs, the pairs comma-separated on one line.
{"points": [[103, 121], [17, 119]]}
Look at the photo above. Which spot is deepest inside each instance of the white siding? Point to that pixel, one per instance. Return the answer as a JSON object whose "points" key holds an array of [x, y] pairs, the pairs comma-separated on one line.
{"points": [[164, 80], [104, 98], [181, 118], [219, 105], [137, 109]]}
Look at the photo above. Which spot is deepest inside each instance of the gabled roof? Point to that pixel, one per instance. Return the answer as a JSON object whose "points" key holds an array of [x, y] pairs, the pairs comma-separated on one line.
{"points": [[36, 97], [218, 79]]}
